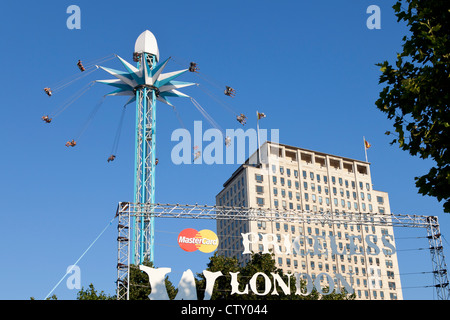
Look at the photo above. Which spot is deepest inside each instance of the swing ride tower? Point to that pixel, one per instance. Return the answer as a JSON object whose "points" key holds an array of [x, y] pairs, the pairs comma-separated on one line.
{"points": [[145, 84]]}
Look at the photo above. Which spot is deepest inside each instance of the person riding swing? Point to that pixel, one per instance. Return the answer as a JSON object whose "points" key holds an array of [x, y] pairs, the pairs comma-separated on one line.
{"points": [[229, 91], [193, 67], [72, 143], [48, 91], [46, 119], [242, 119], [80, 66]]}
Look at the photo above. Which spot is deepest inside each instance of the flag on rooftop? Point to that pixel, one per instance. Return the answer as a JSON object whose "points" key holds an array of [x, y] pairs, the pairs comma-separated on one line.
{"points": [[260, 115]]}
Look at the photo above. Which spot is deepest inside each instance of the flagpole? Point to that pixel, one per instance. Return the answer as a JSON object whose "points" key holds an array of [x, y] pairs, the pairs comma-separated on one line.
{"points": [[257, 134], [365, 148]]}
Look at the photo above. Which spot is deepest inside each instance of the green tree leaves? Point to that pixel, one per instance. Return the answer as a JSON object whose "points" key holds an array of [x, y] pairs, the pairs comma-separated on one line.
{"points": [[416, 96]]}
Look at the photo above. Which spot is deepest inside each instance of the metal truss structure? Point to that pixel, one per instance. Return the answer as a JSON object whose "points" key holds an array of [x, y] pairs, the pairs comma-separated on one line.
{"points": [[438, 260], [127, 211]]}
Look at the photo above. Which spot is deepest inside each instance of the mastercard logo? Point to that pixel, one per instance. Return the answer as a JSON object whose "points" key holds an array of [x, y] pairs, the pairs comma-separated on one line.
{"points": [[191, 240]]}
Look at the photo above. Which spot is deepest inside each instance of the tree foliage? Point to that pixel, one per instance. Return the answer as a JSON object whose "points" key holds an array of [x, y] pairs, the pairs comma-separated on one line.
{"points": [[416, 95], [92, 294]]}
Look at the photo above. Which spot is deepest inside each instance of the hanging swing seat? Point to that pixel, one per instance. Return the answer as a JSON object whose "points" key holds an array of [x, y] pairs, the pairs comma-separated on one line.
{"points": [[48, 91], [72, 143], [80, 66], [46, 119]]}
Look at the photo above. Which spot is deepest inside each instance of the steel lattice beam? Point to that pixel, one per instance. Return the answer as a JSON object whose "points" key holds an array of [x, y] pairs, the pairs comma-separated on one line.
{"points": [[274, 215], [127, 210]]}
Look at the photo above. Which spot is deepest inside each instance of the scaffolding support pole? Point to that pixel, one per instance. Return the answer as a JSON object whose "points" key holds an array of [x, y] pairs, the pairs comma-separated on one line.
{"points": [[438, 260], [123, 251]]}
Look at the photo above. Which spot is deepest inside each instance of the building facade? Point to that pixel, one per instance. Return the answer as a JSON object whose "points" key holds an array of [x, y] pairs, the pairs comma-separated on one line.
{"points": [[300, 180]]}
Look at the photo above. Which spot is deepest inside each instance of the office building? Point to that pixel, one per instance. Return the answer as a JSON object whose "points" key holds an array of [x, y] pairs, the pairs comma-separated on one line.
{"points": [[299, 180]]}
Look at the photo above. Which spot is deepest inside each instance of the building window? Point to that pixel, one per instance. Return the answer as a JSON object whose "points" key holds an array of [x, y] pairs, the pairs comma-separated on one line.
{"points": [[259, 177], [281, 170], [259, 189], [260, 201], [361, 169], [391, 285]]}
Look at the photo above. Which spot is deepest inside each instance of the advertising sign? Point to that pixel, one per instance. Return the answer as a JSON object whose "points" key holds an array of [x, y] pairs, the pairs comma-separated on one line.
{"points": [[205, 241]]}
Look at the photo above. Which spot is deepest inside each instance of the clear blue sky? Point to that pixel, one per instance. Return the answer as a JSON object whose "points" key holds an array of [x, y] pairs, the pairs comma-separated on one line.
{"points": [[309, 65]]}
